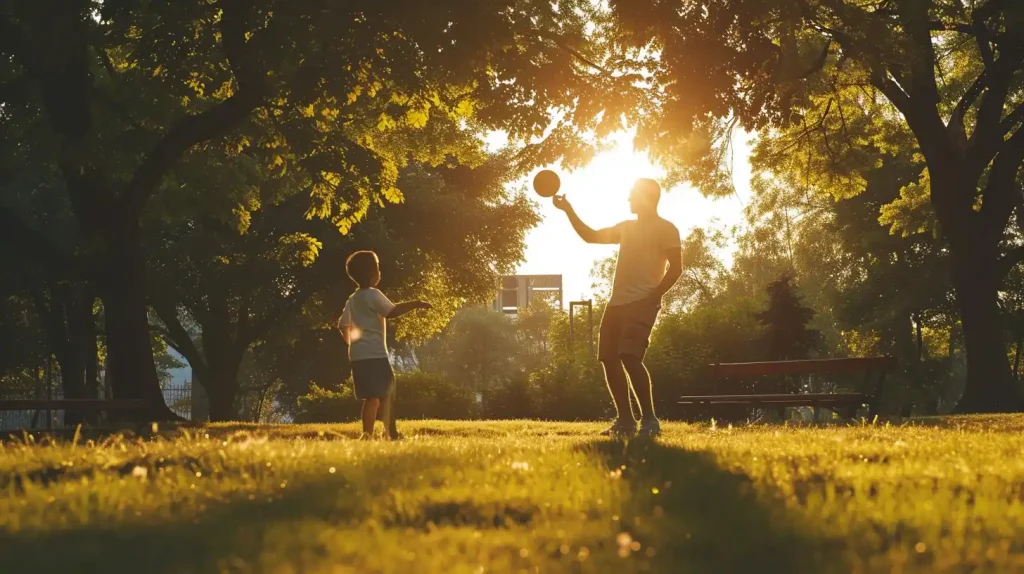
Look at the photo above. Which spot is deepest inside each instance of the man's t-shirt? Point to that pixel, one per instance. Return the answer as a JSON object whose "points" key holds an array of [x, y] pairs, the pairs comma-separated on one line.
{"points": [[363, 324], [642, 261]]}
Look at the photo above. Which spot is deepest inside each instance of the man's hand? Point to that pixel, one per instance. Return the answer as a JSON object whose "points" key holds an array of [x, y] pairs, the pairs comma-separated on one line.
{"points": [[560, 202], [654, 300]]}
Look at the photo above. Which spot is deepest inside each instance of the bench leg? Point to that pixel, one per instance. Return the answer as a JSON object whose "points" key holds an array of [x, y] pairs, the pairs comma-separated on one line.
{"points": [[848, 412]]}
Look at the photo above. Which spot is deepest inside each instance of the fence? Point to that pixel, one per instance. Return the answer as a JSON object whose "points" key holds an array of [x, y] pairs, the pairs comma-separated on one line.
{"points": [[178, 399]]}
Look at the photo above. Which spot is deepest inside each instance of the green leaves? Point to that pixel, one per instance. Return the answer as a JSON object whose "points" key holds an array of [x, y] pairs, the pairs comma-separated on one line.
{"points": [[911, 213]]}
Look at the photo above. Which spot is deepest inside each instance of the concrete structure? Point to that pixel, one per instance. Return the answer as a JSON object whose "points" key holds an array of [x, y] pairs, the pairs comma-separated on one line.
{"points": [[517, 291]]}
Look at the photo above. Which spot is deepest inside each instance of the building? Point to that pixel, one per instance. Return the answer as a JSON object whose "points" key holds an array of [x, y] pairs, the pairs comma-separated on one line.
{"points": [[517, 291]]}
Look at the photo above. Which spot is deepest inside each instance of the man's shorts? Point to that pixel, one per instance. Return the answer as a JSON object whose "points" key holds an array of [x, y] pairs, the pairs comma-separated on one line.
{"points": [[372, 378], [626, 330]]}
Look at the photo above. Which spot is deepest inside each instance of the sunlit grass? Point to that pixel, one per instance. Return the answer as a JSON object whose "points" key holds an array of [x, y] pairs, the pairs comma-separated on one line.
{"points": [[941, 495]]}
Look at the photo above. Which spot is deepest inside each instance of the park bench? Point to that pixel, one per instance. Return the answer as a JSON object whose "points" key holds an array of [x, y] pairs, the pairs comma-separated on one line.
{"points": [[845, 403], [74, 405]]}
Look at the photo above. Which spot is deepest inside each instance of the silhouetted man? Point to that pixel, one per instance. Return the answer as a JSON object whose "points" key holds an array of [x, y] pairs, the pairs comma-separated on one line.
{"points": [[650, 262]]}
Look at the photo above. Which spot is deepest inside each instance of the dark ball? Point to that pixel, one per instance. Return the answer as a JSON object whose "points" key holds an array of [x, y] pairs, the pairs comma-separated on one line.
{"points": [[546, 183]]}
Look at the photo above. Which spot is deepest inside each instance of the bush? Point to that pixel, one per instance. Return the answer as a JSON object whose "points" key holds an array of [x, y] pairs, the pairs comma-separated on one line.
{"points": [[322, 405], [571, 388], [418, 396], [513, 399], [422, 395]]}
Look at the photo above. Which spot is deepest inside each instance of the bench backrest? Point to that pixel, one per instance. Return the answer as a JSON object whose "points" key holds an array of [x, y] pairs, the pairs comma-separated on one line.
{"points": [[803, 367], [71, 404]]}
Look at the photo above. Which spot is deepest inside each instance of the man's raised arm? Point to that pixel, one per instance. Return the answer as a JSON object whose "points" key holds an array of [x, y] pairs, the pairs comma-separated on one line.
{"points": [[586, 233]]}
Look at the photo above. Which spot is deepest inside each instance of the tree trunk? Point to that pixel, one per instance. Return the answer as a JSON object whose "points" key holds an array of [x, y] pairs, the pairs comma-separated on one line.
{"points": [[129, 349], [222, 390], [1016, 359], [975, 277], [83, 349], [219, 377], [92, 352]]}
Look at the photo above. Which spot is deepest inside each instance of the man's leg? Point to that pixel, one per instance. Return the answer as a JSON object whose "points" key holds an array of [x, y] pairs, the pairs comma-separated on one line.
{"points": [[637, 334], [640, 382], [615, 377]]}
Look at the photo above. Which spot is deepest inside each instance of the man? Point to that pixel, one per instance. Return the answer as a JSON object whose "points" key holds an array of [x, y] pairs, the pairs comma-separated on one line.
{"points": [[650, 262]]}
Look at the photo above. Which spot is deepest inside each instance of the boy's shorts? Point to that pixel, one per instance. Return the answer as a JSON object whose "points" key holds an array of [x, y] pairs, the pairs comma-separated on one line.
{"points": [[372, 378], [626, 330]]}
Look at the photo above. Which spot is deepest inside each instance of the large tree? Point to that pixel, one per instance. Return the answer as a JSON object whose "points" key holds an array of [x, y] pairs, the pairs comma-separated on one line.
{"points": [[950, 71], [111, 95], [220, 291]]}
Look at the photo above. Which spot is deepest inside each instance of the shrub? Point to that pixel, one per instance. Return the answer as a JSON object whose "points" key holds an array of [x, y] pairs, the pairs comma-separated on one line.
{"points": [[322, 405], [418, 396], [513, 399], [422, 395]]}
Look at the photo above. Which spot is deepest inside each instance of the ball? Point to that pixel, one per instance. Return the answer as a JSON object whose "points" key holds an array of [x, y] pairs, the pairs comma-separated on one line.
{"points": [[546, 183]]}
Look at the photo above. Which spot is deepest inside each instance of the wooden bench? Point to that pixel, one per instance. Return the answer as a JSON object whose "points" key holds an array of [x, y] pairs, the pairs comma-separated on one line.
{"points": [[846, 404], [74, 405]]}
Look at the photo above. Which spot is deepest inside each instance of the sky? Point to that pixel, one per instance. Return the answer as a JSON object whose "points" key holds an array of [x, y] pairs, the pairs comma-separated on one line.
{"points": [[599, 193]]}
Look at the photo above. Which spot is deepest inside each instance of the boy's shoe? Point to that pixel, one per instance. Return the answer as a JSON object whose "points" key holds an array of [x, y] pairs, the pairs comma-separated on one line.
{"points": [[366, 436], [395, 435], [621, 427], [650, 427]]}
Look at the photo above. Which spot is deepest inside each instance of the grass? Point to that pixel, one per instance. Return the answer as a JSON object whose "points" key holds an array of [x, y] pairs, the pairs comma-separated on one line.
{"points": [[942, 495]]}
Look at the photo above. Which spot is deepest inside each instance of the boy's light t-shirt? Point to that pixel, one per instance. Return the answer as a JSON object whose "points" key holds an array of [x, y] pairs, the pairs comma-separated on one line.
{"points": [[363, 324]]}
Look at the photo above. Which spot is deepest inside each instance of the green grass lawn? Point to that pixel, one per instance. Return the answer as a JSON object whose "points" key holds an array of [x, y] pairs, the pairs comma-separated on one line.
{"points": [[937, 496]]}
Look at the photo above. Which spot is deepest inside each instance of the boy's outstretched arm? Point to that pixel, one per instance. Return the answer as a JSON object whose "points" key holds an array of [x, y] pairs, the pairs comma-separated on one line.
{"points": [[405, 307]]}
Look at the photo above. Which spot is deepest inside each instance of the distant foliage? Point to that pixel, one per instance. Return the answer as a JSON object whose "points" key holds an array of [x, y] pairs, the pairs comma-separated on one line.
{"points": [[786, 334], [419, 395]]}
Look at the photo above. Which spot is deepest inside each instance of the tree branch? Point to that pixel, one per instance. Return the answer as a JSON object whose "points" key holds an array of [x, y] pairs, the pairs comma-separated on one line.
{"points": [[969, 97], [913, 15], [998, 198], [986, 136], [819, 62], [176, 335], [216, 121], [1009, 260], [573, 52], [35, 247], [1010, 122]]}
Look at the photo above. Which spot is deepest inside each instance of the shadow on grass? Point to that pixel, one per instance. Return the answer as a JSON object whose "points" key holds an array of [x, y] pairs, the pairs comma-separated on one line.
{"points": [[700, 517], [205, 544], [286, 533]]}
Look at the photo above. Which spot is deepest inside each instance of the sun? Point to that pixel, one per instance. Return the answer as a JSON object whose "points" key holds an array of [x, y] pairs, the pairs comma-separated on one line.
{"points": [[599, 192]]}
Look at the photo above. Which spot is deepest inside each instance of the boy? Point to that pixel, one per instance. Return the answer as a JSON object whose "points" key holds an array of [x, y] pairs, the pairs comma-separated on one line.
{"points": [[363, 326]]}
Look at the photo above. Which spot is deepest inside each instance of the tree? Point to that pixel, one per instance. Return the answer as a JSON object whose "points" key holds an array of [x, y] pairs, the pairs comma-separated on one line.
{"points": [[950, 72], [478, 350], [282, 272], [786, 335], [113, 95]]}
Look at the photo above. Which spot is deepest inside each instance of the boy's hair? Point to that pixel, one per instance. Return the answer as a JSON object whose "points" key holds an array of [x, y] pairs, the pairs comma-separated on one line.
{"points": [[360, 267]]}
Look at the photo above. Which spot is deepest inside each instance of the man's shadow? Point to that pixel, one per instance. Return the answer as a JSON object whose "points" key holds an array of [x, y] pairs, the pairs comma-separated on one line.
{"points": [[708, 519]]}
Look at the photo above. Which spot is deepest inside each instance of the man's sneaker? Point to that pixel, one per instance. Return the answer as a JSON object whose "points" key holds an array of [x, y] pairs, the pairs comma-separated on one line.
{"points": [[650, 427], [620, 428]]}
